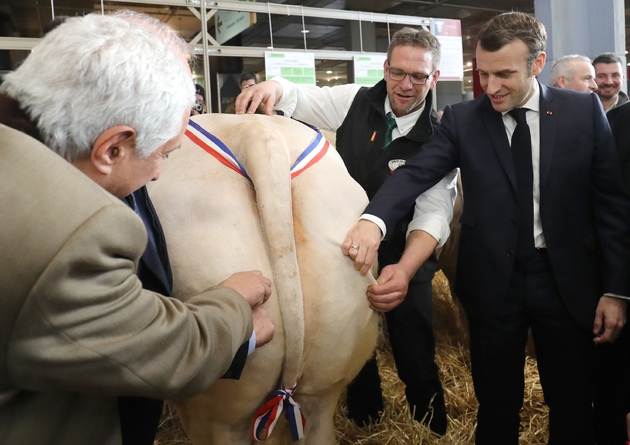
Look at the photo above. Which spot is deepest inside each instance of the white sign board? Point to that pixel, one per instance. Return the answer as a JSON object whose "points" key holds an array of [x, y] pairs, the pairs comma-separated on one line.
{"points": [[297, 67], [368, 70], [231, 23], [449, 34]]}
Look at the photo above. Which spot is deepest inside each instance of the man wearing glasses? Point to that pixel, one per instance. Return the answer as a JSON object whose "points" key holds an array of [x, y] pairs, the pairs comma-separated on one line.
{"points": [[378, 129]]}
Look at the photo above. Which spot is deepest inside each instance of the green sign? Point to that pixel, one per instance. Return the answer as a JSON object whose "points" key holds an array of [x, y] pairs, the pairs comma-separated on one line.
{"points": [[298, 67]]}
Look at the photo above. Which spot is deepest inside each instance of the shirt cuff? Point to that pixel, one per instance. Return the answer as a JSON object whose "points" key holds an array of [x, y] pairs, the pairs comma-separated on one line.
{"points": [[378, 221], [252, 343], [610, 294], [288, 100]]}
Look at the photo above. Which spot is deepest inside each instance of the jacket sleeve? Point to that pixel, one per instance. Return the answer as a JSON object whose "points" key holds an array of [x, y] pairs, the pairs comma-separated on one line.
{"points": [[87, 325], [436, 160]]}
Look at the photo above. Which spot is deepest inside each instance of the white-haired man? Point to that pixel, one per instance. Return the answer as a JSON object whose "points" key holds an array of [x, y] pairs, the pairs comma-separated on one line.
{"points": [[76, 328], [573, 72]]}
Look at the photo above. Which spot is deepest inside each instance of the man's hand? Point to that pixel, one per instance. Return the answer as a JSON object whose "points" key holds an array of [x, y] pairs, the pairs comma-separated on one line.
{"points": [[268, 92], [361, 244], [255, 288], [390, 288], [610, 317], [263, 326]]}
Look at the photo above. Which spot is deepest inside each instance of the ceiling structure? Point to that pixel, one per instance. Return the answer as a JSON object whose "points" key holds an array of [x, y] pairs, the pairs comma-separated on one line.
{"points": [[26, 18]]}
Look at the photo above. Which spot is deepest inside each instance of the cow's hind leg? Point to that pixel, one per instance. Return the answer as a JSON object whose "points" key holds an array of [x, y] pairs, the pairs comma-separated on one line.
{"points": [[319, 411]]}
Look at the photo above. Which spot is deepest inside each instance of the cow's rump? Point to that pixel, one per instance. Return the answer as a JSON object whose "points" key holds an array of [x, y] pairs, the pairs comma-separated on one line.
{"points": [[223, 215]]}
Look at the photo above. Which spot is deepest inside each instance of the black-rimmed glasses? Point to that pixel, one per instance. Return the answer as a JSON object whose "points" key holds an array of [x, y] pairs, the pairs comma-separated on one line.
{"points": [[416, 78]]}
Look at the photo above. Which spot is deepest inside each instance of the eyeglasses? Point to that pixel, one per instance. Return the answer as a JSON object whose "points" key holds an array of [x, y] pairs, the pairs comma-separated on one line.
{"points": [[416, 78]]}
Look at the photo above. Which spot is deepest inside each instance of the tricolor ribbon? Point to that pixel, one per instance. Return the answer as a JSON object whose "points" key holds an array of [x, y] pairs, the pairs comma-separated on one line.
{"points": [[311, 155], [219, 150], [215, 147], [267, 416]]}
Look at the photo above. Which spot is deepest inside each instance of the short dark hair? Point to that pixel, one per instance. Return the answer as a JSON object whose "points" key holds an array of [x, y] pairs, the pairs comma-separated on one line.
{"points": [[420, 38], [506, 28], [199, 90], [246, 76], [607, 58]]}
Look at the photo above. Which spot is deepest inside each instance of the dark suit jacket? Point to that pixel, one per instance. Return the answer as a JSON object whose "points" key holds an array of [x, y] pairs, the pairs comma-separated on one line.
{"points": [[584, 208], [619, 119]]}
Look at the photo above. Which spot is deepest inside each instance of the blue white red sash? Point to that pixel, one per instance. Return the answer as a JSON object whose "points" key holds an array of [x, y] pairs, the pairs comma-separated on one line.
{"points": [[215, 147], [210, 143], [267, 416], [311, 155]]}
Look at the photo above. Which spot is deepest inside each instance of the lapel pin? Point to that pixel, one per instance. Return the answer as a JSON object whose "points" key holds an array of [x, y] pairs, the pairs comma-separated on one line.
{"points": [[549, 113]]}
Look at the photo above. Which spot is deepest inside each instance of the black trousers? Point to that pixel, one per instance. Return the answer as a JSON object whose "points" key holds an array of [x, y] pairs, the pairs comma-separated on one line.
{"points": [[564, 352], [410, 329], [612, 390]]}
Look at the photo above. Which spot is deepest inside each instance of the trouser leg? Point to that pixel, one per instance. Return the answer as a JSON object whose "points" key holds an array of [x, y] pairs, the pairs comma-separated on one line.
{"points": [[411, 335]]}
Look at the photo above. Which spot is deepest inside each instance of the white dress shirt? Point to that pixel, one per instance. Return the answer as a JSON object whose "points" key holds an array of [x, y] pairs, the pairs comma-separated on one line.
{"points": [[533, 121], [327, 107]]}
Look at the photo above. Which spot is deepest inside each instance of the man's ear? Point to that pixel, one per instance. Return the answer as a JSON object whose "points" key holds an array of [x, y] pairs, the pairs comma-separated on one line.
{"points": [[539, 63], [111, 147], [561, 81]]}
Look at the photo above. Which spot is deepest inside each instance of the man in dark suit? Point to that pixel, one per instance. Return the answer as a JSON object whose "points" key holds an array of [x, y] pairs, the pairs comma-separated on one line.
{"points": [[612, 400], [545, 237]]}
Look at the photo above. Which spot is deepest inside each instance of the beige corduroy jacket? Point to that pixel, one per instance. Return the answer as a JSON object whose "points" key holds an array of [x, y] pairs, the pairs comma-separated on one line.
{"points": [[76, 328]]}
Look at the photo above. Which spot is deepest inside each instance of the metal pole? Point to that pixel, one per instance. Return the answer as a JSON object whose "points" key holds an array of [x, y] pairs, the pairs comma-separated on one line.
{"points": [[206, 60]]}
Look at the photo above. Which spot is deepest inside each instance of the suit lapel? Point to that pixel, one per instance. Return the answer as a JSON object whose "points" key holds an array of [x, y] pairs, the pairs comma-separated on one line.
{"points": [[493, 121], [548, 122]]}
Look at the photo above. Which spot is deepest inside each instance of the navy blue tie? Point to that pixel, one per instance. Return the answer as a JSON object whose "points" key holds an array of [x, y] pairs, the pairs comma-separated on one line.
{"points": [[522, 156]]}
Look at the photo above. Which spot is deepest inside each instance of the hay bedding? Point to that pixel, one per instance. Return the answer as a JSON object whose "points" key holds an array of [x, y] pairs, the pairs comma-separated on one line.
{"points": [[397, 426]]}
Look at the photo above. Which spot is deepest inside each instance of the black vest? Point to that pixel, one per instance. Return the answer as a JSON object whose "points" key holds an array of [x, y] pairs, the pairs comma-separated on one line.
{"points": [[360, 141]]}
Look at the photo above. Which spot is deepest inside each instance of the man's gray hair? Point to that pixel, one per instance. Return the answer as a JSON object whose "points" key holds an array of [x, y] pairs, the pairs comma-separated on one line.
{"points": [[564, 67], [96, 72]]}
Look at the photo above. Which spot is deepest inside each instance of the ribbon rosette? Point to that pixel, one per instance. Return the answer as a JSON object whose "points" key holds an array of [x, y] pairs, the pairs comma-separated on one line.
{"points": [[267, 416]]}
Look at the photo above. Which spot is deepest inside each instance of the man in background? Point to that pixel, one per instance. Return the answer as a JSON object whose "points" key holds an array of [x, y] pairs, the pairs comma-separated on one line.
{"points": [[246, 80], [612, 399], [609, 76], [573, 72]]}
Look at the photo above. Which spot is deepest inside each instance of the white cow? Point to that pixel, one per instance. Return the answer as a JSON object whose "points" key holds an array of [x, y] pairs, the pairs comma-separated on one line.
{"points": [[218, 222]]}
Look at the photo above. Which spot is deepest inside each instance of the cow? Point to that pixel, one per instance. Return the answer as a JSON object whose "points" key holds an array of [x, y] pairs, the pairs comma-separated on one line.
{"points": [[232, 199]]}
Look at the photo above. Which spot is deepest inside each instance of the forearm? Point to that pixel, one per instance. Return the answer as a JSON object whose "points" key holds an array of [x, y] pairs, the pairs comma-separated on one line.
{"points": [[420, 246], [324, 107]]}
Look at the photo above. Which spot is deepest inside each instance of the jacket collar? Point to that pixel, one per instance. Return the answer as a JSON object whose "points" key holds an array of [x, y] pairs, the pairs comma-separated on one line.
{"points": [[12, 115]]}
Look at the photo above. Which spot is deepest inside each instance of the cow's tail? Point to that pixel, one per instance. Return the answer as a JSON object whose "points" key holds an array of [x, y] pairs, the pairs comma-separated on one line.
{"points": [[269, 169]]}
